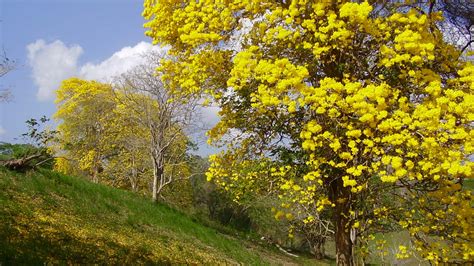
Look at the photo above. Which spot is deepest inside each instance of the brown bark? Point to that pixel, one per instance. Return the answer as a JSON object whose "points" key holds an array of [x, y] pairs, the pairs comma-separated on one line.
{"points": [[340, 195], [344, 254]]}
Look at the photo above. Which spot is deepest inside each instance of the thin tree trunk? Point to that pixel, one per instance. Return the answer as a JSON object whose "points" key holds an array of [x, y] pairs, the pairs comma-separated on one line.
{"points": [[134, 178], [95, 168], [155, 180], [95, 179], [317, 247], [134, 181], [158, 176]]}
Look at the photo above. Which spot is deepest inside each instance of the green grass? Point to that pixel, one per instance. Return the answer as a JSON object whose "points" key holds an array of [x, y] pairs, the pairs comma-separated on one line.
{"points": [[46, 217]]}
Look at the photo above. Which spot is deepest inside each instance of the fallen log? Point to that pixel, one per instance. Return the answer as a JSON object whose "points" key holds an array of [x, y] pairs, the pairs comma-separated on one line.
{"points": [[20, 164]]}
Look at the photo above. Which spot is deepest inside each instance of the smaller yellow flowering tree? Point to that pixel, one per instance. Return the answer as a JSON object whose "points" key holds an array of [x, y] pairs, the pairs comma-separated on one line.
{"points": [[98, 137], [85, 109], [129, 164]]}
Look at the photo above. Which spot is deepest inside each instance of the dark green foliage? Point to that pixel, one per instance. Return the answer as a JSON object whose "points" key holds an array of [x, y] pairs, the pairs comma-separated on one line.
{"points": [[37, 134]]}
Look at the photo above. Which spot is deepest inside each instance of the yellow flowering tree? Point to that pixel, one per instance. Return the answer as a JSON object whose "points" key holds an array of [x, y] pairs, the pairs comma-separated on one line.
{"points": [[369, 101], [84, 109], [98, 135], [129, 164]]}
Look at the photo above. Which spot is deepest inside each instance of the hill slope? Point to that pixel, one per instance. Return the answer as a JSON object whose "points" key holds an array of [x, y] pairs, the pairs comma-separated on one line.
{"points": [[49, 217]]}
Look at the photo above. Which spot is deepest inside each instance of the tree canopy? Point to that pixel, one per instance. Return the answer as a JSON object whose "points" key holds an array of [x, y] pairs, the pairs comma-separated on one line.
{"points": [[350, 103]]}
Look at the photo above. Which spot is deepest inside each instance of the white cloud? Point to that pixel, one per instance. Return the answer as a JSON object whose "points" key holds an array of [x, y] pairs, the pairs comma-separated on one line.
{"points": [[2, 131], [54, 62], [51, 64], [119, 63]]}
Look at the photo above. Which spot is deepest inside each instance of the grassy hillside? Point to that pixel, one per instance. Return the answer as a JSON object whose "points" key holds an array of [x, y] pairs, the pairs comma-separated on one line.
{"points": [[49, 217]]}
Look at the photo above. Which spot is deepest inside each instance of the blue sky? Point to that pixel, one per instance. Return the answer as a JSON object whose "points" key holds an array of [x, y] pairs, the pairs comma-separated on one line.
{"points": [[53, 39]]}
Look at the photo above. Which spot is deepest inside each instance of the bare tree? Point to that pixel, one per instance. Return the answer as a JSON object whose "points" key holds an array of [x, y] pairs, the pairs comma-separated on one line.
{"points": [[167, 119]]}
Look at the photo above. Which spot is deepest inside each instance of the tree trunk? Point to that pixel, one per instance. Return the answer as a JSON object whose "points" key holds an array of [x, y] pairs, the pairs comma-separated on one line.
{"points": [[155, 181], [95, 167], [340, 195], [95, 178], [134, 185], [158, 175], [343, 237], [134, 177], [317, 248]]}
